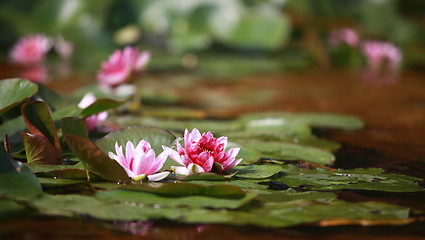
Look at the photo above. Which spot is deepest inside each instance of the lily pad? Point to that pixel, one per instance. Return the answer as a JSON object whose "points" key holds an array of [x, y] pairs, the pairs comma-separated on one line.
{"points": [[330, 120], [289, 151], [16, 179], [14, 91], [359, 179], [154, 200], [101, 105], [256, 171]]}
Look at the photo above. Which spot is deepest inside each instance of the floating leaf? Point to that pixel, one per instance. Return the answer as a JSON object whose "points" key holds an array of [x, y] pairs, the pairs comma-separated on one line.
{"points": [[249, 155], [256, 171], [185, 189], [154, 200], [359, 179], [95, 160], [16, 179], [329, 120], [289, 151], [14, 91], [38, 148]]}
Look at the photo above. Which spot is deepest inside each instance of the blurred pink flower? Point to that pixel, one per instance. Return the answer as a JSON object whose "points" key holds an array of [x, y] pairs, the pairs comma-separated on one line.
{"points": [[95, 120], [121, 65], [384, 60], [201, 152], [379, 53], [345, 35], [36, 73], [63, 48], [140, 162], [30, 50]]}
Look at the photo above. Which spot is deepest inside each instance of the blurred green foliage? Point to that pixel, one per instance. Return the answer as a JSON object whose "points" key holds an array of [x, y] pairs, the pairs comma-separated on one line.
{"points": [[265, 27]]}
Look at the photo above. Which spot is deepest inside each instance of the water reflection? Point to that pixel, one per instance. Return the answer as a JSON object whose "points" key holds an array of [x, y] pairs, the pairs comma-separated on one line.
{"points": [[149, 230]]}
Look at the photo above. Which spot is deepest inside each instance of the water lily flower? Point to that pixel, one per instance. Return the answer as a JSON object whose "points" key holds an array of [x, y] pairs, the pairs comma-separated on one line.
{"points": [[378, 53], [384, 60], [346, 35], [95, 120], [121, 65], [63, 48], [140, 162], [203, 153], [30, 50]]}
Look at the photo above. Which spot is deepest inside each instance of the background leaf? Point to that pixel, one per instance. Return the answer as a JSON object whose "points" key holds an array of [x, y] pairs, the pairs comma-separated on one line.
{"points": [[14, 91]]}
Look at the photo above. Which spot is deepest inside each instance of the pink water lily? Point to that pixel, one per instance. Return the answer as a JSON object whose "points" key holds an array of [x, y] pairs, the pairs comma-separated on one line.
{"points": [[30, 50], [121, 65], [382, 54], [202, 152], [95, 120], [140, 162], [345, 35]]}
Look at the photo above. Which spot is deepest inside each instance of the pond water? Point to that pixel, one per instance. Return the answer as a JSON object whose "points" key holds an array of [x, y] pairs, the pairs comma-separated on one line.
{"points": [[393, 139]]}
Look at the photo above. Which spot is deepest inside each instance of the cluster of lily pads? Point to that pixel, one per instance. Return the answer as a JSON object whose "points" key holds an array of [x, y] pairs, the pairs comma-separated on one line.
{"points": [[51, 165]]}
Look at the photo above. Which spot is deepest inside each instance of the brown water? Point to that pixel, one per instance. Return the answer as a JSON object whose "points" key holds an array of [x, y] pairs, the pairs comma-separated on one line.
{"points": [[393, 139]]}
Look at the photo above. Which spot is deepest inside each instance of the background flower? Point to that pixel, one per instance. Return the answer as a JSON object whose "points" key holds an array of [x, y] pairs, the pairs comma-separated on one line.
{"points": [[121, 65], [30, 50]]}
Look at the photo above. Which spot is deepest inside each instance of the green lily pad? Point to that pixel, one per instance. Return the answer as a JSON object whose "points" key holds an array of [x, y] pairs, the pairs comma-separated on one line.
{"points": [[289, 151], [16, 179], [359, 179], [330, 120], [185, 189], [14, 91], [256, 171], [154, 200]]}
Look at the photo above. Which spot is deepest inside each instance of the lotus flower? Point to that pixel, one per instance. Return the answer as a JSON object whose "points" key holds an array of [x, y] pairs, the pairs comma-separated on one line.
{"points": [[346, 35], [30, 50], [95, 120], [140, 162], [202, 152], [121, 65]]}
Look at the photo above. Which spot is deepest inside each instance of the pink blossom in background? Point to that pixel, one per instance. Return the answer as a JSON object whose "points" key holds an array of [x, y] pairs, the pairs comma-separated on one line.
{"points": [[63, 48], [382, 55], [121, 65], [95, 120], [36, 73], [201, 152], [30, 50], [140, 162], [384, 60], [346, 35]]}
